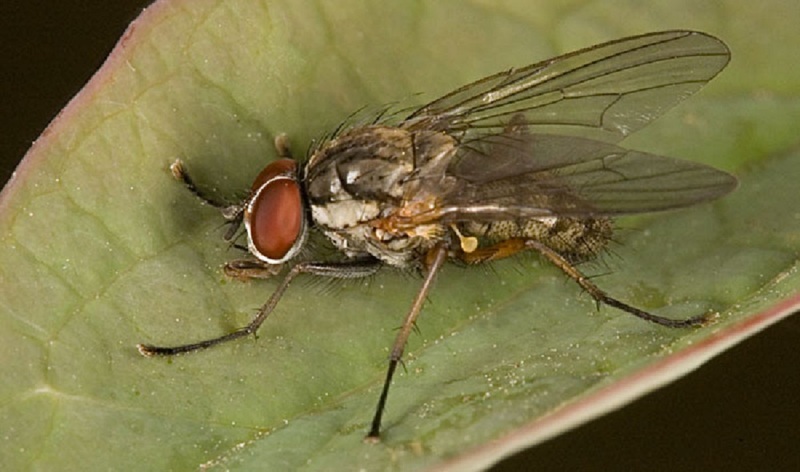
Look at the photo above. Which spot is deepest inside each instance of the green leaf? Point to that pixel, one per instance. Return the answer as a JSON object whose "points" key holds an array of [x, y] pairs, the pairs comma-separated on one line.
{"points": [[102, 249]]}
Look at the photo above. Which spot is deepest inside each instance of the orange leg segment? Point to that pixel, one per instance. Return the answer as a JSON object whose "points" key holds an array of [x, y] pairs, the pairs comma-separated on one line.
{"points": [[501, 250]]}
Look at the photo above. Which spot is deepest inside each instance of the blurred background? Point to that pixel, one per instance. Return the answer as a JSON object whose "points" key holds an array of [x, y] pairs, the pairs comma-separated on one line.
{"points": [[739, 412]]}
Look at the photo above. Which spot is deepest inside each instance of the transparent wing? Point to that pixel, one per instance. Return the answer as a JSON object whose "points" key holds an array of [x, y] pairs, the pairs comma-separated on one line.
{"points": [[534, 176], [604, 92]]}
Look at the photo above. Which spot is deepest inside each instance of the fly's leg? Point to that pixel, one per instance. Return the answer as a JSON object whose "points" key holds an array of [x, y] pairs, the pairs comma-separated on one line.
{"points": [[601, 297], [501, 250], [434, 261], [180, 174], [342, 270], [512, 246], [246, 269], [232, 213], [281, 143]]}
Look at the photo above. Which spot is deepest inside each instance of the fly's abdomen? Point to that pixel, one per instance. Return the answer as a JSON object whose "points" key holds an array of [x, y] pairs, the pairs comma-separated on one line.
{"points": [[577, 239]]}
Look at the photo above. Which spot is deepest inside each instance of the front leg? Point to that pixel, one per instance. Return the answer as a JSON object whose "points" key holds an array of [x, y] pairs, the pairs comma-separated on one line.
{"points": [[232, 213], [246, 269], [342, 270]]}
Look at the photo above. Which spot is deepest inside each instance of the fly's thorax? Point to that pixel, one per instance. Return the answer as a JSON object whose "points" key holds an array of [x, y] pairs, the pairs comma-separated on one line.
{"points": [[367, 174], [577, 239]]}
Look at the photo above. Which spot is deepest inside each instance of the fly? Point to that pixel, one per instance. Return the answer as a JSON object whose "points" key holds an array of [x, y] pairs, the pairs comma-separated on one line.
{"points": [[522, 160]]}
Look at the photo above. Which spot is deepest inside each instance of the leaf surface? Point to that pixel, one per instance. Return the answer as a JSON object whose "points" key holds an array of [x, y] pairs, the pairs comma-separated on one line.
{"points": [[102, 249]]}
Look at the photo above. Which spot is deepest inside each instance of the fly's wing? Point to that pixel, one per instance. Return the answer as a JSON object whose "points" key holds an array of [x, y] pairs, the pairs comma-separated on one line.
{"points": [[520, 175], [604, 92]]}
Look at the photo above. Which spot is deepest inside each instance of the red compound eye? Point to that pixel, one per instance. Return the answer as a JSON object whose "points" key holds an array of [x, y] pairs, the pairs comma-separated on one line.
{"points": [[286, 167], [274, 218]]}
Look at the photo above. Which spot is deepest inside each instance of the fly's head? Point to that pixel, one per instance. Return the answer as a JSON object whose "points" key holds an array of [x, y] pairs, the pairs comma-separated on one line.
{"points": [[274, 214]]}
